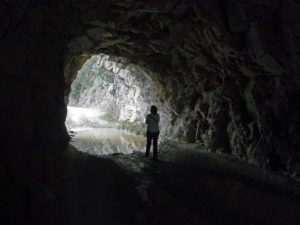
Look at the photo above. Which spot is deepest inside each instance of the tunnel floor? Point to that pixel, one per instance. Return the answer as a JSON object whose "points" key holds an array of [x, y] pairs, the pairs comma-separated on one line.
{"points": [[187, 186]]}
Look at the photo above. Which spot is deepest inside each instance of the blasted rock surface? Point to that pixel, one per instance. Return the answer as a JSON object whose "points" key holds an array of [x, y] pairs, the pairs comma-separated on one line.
{"points": [[229, 71]]}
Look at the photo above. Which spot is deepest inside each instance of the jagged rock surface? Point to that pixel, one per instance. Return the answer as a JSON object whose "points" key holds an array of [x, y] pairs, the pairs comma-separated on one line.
{"points": [[225, 68], [122, 91], [229, 70]]}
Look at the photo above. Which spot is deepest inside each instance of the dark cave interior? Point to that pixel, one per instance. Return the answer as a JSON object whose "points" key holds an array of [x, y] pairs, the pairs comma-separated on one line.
{"points": [[225, 75]]}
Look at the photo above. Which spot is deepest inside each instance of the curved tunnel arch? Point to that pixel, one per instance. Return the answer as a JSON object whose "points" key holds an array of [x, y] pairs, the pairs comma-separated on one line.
{"points": [[110, 95], [135, 91], [229, 72], [211, 80], [214, 61]]}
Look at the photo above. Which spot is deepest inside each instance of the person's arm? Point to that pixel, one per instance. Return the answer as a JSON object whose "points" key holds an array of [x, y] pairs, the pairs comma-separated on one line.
{"points": [[158, 118], [147, 119]]}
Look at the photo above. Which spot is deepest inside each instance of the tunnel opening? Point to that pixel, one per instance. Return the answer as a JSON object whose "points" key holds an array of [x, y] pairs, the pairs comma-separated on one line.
{"points": [[229, 71], [107, 106]]}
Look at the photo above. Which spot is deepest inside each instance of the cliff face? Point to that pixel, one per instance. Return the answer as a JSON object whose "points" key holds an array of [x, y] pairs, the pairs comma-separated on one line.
{"points": [[228, 70], [121, 91]]}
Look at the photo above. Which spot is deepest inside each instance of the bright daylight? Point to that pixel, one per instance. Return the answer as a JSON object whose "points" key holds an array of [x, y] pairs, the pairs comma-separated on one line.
{"points": [[107, 106]]}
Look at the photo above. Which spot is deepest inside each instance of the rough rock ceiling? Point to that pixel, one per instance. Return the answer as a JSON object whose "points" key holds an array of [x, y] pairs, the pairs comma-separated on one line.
{"points": [[220, 62], [228, 68]]}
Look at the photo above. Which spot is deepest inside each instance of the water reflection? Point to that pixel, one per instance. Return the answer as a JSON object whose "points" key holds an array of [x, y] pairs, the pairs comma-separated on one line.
{"points": [[104, 141]]}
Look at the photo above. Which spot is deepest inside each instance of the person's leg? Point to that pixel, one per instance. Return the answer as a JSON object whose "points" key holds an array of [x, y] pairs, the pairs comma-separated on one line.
{"points": [[155, 139], [149, 138]]}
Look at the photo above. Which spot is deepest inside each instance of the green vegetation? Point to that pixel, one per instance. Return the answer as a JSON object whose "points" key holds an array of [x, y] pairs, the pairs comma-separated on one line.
{"points": [[134, 138], [113, 91], [84, 77], [82, 82], [99, 145], [106, 75], [108, 118], [132, 127]]}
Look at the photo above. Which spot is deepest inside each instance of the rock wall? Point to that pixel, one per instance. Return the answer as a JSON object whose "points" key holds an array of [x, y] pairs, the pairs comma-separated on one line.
{"points": [[33, 111], [229, 70], [120, 90]]}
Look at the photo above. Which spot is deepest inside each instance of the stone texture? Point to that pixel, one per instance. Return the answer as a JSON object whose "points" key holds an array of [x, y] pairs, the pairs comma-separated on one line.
{"points": [[235, 57], [228, 56], [229, 71], [121, 90]]}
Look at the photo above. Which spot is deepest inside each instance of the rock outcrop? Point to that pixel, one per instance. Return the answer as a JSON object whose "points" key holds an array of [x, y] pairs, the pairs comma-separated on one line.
{"points": [[123, 92]]}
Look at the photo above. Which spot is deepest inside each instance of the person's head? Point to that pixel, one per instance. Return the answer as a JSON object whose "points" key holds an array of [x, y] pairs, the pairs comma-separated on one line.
{"points": [[153, 109]]}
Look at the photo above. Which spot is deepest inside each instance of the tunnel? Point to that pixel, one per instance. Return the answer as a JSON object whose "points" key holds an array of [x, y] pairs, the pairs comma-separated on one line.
{"points": [[108, 104], [224, 75]]}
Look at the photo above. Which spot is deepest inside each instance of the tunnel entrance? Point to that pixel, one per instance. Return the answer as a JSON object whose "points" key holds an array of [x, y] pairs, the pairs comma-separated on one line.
{"points": [[108, 102]]}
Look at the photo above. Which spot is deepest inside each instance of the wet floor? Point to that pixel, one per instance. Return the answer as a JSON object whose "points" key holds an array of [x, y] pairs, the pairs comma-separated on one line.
{"points": [[188, 186], [94, 135], [98, 191], [105, 141], [183, 188]]}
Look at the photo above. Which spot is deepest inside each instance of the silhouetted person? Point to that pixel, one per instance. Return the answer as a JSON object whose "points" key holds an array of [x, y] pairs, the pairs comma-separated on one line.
{"points": [[152, 121]]}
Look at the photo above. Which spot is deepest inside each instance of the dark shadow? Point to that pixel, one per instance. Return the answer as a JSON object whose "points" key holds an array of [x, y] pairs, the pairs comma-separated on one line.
{"points": [[190, 191], [98, 191], [203, 194]]}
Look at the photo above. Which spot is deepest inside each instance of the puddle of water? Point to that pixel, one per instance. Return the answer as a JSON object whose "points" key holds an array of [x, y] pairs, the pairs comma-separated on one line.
{"points": [[105, 141]]}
